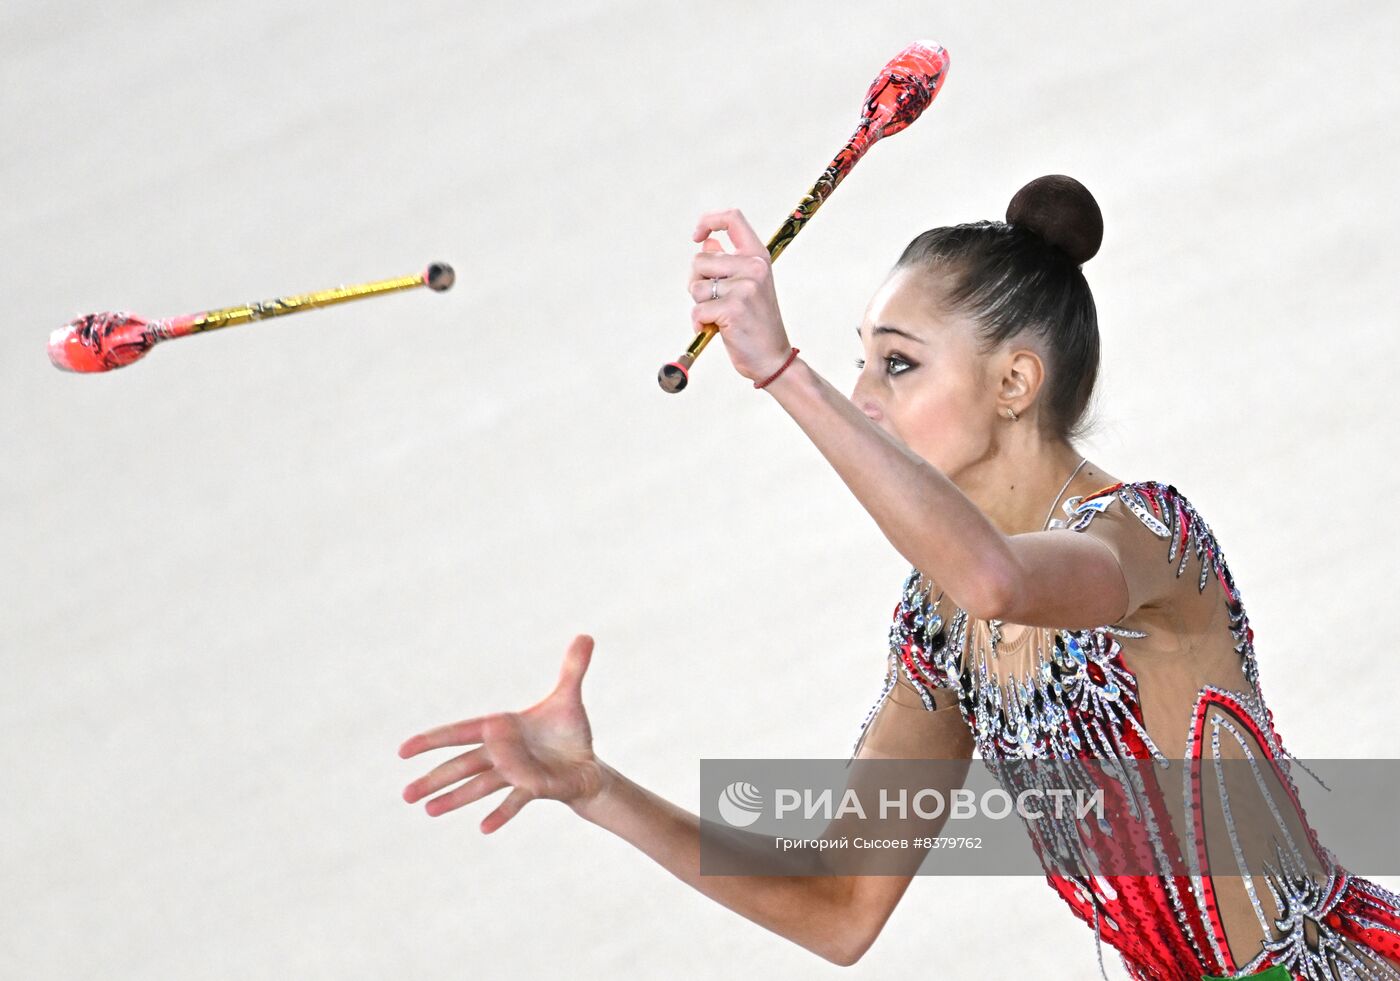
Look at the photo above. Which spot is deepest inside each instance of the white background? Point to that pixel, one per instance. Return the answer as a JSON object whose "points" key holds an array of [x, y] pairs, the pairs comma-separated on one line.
{"points": [[239, 573]]}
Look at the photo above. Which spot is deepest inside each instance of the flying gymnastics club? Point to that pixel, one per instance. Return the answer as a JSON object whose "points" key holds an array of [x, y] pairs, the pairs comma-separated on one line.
{"points": [[104, 341], [903, 89]]}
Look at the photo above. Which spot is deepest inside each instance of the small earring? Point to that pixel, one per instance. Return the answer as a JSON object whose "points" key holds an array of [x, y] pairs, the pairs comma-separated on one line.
{"points": [[1011, 413]]}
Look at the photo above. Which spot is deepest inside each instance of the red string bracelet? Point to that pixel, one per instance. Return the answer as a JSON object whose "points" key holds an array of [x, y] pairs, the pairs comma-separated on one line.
{"points": [[767, 381]]}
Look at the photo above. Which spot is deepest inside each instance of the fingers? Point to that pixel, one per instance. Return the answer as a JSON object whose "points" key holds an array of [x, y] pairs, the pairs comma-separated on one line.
{"points": [[462, 733], [705, 290], [718, 290], [722, 265], [741, 233], [455, 769], [473, 790], [711, 313], [510, 807], [576, 661]]}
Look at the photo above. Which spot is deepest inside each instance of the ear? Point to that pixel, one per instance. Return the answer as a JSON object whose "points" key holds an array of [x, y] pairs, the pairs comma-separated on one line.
{"points": [[1021, 373]]}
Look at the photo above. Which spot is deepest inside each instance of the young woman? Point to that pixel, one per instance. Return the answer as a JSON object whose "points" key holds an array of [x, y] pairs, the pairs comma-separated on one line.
{"points": [[1052, 611]]}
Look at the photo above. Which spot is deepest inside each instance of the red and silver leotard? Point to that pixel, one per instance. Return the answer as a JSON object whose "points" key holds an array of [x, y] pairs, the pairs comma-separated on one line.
{"points": [[1174, 679]]}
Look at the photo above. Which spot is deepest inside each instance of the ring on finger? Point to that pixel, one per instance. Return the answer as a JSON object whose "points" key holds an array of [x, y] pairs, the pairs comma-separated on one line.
{"points": [[714, 289]]}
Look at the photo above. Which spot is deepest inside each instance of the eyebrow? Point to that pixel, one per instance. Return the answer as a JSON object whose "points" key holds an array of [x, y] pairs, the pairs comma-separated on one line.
{"points": [[886, 329]]}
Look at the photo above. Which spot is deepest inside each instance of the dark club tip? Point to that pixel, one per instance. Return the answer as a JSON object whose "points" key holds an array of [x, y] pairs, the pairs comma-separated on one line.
{"points": [[672, 377], [439, 277]]}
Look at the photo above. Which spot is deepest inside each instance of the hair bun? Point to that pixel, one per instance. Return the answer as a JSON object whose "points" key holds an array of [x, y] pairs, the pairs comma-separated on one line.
{"points": [[1062, 211]]}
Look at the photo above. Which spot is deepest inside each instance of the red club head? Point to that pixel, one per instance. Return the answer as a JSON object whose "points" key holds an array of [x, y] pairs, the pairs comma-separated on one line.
{"points": [[904, 88], [100, 342]]}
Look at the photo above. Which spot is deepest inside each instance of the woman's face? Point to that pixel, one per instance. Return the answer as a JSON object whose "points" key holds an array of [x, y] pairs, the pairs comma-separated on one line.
{"points": [[923, 380]]}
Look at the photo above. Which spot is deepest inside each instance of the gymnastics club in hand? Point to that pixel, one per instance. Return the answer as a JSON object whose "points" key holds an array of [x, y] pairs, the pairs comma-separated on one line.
{"points": [[103, 341], [901, 91]]}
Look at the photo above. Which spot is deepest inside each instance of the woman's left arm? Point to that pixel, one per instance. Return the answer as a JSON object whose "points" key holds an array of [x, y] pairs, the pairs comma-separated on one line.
{"points": [[1038, 578]]}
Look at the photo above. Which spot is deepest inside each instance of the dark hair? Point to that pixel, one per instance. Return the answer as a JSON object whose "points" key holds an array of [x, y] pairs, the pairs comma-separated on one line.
{"points": [[1023, 275]]}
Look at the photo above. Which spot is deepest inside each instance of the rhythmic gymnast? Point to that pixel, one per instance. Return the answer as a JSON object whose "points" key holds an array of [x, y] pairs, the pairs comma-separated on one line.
{"points": [[1052, 609]]}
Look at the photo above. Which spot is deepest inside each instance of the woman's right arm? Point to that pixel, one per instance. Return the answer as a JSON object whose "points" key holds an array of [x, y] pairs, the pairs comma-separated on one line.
{"points": [[546, 751], [835, 916]]}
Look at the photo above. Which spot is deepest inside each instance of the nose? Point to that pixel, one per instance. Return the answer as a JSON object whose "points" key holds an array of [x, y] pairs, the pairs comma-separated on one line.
{"points": [[867, 403], [871, 409]]}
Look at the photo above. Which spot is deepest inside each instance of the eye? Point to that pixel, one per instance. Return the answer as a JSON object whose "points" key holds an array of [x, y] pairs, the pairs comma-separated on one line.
{"points": [[897, 365]]}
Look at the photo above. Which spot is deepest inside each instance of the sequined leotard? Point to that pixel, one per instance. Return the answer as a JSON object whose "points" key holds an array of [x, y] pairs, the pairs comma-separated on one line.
{"points": [[1174, 679]]}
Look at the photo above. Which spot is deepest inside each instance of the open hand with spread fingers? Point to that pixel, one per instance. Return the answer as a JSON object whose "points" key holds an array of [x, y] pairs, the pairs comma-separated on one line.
{"points": [[544, 751], [734, 291]]}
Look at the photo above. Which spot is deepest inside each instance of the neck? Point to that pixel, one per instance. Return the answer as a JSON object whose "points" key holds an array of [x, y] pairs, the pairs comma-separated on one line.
{"points": [[1016, 483]]}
